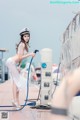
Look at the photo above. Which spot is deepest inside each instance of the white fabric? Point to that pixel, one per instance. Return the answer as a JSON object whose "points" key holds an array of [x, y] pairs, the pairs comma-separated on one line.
{"points": [[24, 72], [19, 80]]}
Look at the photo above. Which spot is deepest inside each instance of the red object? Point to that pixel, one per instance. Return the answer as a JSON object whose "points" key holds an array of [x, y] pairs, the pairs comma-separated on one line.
{"points": [[35, 77]]}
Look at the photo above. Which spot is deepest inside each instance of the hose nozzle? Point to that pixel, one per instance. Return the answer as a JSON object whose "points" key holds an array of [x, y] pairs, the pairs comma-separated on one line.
{"points": [[36, 51]]}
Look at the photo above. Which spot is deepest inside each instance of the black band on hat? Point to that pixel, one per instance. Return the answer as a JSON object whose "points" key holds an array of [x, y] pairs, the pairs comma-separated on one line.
{"points": [[25, 32]]}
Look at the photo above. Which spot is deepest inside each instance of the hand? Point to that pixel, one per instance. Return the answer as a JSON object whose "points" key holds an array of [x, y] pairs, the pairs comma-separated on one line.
{"points": [[33, 54], [18, 68]]}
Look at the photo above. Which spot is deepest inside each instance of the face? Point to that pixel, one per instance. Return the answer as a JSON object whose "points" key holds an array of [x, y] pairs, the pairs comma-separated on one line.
{"points": [[26, 38]]}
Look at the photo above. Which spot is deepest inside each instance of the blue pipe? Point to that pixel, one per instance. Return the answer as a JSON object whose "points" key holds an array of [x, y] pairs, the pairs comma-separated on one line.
{"points": [[25, 104]]}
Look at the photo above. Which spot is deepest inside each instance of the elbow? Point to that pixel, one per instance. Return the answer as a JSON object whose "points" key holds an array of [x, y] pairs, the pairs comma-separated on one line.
{"points": [[20, 57]]}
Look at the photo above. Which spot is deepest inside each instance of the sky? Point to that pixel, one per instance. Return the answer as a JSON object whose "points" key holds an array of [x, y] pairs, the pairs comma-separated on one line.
{"points": [[46, 23]]}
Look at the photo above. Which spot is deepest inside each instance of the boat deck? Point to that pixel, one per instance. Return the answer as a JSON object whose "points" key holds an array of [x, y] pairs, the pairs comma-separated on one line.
{"points": [[25, 114], [28, 113]]}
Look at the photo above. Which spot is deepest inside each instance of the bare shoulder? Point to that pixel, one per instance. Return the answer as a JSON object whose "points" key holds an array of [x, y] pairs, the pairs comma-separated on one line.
{"points": [[22, 44]]}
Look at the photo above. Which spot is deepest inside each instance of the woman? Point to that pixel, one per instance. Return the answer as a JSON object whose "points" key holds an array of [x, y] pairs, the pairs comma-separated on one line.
{"points": [[13, 61]]}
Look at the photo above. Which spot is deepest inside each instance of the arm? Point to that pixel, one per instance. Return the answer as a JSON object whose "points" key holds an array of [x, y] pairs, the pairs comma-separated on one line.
{"points": [[23, 57], [27, 55], [21, 52], [18, 67]]}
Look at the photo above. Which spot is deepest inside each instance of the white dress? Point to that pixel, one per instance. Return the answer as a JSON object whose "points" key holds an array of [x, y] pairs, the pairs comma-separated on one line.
{"points": [[15, 75]]}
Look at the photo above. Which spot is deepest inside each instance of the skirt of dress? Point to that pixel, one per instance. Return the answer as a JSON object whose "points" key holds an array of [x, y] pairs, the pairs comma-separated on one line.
{"points": [[18, 78]]}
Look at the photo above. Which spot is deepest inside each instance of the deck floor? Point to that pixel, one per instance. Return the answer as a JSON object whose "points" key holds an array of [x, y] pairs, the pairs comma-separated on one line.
{"points": [[27, 113]]}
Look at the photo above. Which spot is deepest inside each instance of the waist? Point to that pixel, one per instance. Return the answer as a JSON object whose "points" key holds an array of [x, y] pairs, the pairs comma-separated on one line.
{"points": [[17, 58]]}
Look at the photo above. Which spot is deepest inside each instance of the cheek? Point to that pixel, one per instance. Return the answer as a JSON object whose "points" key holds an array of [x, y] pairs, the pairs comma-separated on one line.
{"points": [[27, 38]]}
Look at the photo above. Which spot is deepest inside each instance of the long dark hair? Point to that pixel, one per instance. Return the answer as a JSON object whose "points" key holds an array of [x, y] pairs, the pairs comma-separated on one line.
{"points": [[26, 44]]}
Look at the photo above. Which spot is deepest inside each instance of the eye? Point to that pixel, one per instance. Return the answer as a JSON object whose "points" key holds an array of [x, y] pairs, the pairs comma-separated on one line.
{"points": [[25, 36]]}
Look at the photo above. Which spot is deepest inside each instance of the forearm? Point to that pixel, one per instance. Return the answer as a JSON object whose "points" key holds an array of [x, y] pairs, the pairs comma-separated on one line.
{"points": [[26, 55]]}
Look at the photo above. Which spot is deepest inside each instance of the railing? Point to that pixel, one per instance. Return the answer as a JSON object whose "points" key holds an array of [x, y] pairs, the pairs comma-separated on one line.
{"points": [[2, 66], [70, 49], [72, 27]]}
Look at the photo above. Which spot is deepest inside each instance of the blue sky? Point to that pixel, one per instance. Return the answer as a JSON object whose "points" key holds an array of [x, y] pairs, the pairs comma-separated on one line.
{"points": [[45, 21]]}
